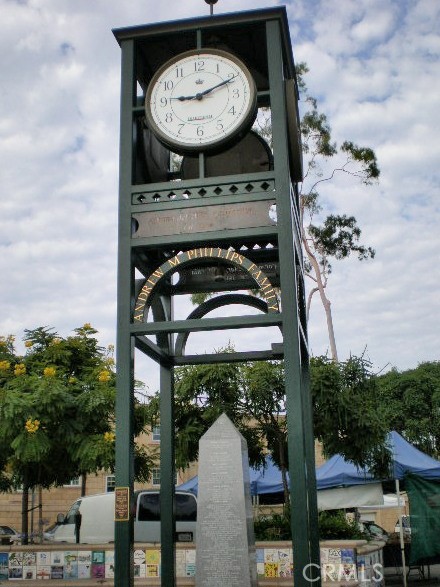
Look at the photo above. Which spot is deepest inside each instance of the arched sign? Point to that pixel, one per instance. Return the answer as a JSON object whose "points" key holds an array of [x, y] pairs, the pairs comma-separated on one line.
{"points": [[193, 256]]}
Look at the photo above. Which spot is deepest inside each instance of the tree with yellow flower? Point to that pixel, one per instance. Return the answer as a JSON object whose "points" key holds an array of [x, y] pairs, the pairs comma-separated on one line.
{"points": [[57, 406]]}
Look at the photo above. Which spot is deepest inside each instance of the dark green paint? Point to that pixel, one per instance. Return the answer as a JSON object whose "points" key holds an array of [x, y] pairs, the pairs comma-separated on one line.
{"points": [[124, 472]]}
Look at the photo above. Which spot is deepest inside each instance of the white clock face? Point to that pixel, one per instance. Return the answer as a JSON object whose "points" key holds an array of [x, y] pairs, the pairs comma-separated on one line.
{"points": [[200, 99]]}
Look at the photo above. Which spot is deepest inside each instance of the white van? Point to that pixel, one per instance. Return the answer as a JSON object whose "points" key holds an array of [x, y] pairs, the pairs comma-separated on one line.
{"points": [[94, 516]]}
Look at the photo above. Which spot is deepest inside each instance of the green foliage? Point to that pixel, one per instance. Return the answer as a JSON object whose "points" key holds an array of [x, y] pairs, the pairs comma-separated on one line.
{"points": [[301, 69], [338, 237], [316, 134], [348, 417], [57, 405], [273, 527], [333, 525], [247, 393], [199, 298], [366, 157], [411, 402]]}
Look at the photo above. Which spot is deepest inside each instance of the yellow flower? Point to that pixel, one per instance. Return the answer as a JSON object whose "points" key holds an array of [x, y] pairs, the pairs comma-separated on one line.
{"points": [[4, 365], [19, 369], [109, 436], [87, 326], [49, 372], [32, 425], [104, 376], [72, 379], [28, 344]]}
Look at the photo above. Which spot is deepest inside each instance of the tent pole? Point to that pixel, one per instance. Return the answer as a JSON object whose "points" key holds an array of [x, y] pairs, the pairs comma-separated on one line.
{"points": [[402, 543]]}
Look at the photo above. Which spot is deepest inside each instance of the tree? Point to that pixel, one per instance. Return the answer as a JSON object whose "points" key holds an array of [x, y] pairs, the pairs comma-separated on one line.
{"points": [[346, 417], [56, 411], [251, 395], [336, 236], [347, 414], [411, 402]]}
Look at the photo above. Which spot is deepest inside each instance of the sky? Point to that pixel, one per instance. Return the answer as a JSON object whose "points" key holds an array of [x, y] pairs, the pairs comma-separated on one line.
{"points": [[374, 68]]}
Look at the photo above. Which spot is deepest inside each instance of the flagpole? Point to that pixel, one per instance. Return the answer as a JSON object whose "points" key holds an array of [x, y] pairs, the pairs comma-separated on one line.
{"points": [[402, 543]]}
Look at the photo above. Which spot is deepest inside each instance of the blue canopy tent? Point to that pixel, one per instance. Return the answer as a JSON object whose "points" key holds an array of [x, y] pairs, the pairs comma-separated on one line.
{"points": [[406, 458], [337, 473], [266, 479]]}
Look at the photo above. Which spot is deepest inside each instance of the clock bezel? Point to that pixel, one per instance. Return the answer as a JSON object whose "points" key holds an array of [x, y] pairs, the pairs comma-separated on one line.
{"points": [[227, 140]]}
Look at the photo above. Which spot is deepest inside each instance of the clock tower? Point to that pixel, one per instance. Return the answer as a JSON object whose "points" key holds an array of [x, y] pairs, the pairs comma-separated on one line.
{"points": [[207, 204]]}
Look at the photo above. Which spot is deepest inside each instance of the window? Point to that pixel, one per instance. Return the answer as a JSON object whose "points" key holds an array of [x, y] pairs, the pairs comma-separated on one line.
{"points": [[76, 482], [156, 434], [155, 476], [110, 483], [149, 507], [186, 508]]}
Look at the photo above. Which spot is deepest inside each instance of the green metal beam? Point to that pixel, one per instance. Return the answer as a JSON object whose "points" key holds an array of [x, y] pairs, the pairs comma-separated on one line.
{"points": [[259, 177], [294, 375], [124, 471], [153, 351], [278, 15], [206, 324], [238, 357], [167, 478], [177, 240], [124, 565]]}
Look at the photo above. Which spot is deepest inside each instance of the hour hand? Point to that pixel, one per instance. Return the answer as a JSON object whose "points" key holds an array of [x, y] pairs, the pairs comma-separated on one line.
{"points": [[183, 98]]}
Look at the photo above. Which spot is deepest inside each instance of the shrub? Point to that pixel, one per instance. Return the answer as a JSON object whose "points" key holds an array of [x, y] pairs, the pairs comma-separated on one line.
{"points": [[333, 525]]}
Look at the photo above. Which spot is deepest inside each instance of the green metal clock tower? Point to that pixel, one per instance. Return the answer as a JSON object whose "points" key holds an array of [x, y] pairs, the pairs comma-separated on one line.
{"points": [[208, 205]]}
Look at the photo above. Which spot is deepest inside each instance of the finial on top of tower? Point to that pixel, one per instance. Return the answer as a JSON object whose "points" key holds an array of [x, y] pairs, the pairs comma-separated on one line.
{"points": [[211, 5]]}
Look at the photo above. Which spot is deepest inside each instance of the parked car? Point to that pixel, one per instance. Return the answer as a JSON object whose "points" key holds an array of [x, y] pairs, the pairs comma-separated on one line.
{"points": [[9, 535], [405, 525], [374, 531]]}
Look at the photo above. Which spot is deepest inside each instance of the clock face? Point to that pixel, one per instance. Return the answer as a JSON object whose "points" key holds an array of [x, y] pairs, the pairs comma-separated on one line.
{"points": [[200, 100]]}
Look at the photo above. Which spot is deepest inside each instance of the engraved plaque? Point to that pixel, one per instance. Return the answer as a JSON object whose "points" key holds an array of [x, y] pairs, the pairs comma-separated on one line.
{"points": [[191, 277], [202, 219], [122, 504]]}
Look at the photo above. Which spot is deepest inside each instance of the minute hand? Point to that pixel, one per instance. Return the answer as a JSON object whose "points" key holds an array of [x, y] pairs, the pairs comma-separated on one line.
{"points": [[200, 95]]}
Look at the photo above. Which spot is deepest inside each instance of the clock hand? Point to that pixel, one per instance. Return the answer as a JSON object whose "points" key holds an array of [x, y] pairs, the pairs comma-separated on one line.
{"points": [[183, 98], [200, 95]]}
